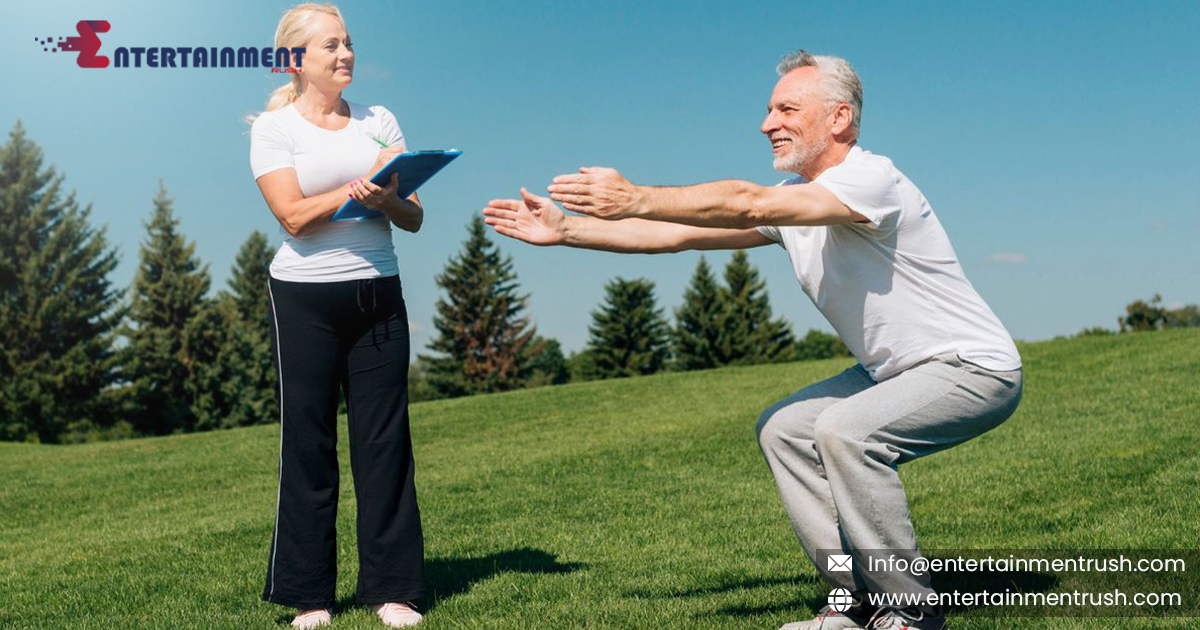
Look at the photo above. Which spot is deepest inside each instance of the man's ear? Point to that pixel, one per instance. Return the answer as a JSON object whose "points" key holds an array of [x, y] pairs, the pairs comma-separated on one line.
{"points": [[843, 118]]}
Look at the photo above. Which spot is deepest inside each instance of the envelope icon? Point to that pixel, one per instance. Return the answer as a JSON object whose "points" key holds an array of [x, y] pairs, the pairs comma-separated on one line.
{"points": [[840, 562]]}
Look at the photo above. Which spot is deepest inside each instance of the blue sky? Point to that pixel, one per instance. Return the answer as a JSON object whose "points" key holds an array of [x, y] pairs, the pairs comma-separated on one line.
{"points": [[1056, 141]]}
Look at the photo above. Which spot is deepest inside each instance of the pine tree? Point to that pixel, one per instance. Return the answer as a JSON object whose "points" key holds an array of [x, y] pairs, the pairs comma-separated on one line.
{"points": [[235, 385], [750, 335], [249, 277], [628, 333], [820, 345], [697, 336], [58, 310], [168, 293], [484, 340], [548, 363]]}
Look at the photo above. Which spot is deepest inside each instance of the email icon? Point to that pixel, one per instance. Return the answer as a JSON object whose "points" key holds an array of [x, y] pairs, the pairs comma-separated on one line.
{"points": [[840, 562]]}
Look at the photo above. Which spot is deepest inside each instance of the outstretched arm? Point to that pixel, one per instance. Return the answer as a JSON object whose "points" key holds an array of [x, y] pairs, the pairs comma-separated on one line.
{"points": [[605, 194], [538, 221]]}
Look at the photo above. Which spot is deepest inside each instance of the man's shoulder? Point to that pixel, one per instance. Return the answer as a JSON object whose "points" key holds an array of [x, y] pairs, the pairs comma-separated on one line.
{"points": [[859, 157]]}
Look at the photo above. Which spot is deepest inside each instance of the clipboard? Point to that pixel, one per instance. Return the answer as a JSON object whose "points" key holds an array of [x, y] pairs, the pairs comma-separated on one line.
{"points": [[414, 169]]}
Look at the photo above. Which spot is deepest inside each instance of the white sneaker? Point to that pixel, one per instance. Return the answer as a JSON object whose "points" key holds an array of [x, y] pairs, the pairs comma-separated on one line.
{"points": [[312, 619], [397, 614], [826, 619]]}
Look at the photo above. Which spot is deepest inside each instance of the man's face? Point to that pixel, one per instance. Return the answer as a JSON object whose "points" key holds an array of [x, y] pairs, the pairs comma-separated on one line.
{"points": [[797, 122]]}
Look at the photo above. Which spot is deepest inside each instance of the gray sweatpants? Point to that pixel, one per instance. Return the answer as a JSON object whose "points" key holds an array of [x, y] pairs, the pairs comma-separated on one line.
{"points": [[833, 448]]}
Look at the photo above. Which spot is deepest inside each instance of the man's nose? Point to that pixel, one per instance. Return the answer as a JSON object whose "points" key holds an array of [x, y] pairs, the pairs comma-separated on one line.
{"points": [[769, 123]]}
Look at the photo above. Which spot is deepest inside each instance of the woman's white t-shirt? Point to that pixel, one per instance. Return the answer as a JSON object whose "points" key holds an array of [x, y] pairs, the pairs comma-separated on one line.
{"points": [[325, 160]]}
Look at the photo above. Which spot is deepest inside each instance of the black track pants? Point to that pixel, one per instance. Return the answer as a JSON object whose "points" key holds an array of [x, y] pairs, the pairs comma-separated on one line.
{"points": [[353, 336]]}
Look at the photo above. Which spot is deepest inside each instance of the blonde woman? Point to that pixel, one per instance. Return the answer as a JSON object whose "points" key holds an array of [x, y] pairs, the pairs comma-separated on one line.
{"points": [[338, 323]]}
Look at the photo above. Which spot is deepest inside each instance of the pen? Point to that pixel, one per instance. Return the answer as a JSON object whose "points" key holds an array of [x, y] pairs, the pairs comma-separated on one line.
{"points": [[381, 142]]}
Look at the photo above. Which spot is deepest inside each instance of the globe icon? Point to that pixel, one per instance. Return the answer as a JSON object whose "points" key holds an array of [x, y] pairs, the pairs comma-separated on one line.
{"points": [[840, 600]]}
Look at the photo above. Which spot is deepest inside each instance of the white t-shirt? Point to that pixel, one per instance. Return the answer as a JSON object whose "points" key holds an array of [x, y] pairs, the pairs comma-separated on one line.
{"points": [[892, 288], [325, 160]]}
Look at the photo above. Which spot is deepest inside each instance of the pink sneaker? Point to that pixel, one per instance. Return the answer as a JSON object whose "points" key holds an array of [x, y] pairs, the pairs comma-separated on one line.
{"points": [[397, 614], [312, 618]]}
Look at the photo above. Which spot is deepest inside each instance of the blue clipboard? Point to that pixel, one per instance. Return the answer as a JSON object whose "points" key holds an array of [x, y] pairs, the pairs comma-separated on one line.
{"points": [[414, 169]]}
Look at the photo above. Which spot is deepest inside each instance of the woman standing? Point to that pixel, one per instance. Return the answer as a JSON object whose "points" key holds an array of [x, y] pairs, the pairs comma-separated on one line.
{"points": [[338, 321]]}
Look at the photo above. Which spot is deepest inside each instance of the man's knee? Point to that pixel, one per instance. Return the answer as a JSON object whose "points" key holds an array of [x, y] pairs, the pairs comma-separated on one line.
{"points": [[767, 435], [833, 434], [781, 424]]}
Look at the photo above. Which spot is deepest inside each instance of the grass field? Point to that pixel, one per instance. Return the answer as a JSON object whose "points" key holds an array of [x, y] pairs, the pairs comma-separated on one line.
{"points": [[640, 503]]}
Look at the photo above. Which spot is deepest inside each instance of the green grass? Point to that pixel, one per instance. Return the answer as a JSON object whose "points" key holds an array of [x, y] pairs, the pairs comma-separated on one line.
{"points": [[639, 503]]}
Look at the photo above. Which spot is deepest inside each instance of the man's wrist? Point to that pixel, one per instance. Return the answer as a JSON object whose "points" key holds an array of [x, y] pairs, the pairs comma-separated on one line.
{"points": [[568, 230], [643, 202]]}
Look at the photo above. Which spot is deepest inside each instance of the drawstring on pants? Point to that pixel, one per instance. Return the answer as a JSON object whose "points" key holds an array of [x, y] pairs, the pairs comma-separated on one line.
{"points": [[367, 285]]}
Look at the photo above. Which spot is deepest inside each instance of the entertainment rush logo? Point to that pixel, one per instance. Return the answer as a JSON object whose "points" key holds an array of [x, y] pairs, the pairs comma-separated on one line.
{"points": [[88, 44]]}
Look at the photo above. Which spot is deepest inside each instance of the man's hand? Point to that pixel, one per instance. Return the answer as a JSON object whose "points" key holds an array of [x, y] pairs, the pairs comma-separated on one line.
{"points": [[535, 220], [599, 192]]}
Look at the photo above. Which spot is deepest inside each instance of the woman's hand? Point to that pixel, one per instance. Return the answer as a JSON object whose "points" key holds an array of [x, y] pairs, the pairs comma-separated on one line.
{"points": [[373, 196], [385, 155]]}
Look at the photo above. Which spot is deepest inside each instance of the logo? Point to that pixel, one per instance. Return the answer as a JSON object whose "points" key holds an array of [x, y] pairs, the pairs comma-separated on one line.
{"points": [[283, 60], [86, 44], [840, 600], [839, 562]]}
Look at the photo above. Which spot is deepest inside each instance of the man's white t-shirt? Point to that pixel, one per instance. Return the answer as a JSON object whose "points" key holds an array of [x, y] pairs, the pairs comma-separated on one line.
{"points": [[892, 288], [325, 160]]}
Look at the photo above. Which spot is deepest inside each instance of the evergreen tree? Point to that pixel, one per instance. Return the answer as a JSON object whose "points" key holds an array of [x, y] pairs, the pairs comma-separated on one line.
{"points": [[628, 334], [750, 335], [548, 363], [820, 345], [168, 293], [234, 381], [248, 280], [58, 310], [697, 336], [581, 366], [484, 340]]}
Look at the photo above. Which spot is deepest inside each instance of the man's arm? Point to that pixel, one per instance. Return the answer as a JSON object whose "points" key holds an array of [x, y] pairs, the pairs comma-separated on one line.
{"points": [[537, 220], [605, 194]]}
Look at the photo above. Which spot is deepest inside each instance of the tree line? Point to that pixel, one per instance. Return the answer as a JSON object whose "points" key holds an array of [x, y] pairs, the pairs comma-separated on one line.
{"points": [[486, 343], [81, 359]]}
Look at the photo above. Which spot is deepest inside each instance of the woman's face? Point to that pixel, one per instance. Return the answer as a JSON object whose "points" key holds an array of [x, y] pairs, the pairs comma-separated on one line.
{"points": [[329, 58]]}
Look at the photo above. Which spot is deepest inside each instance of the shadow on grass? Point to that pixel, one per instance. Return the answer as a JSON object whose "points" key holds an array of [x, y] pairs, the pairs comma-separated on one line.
{"points": [[725, 587], [447, 577]]}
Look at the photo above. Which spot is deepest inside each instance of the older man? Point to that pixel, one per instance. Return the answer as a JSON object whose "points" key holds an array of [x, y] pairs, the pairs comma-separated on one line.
{"points": [[935, 365]]}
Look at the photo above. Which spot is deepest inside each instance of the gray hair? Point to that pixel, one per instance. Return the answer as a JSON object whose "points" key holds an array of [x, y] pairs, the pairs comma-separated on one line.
{"points": [[838, 80]]}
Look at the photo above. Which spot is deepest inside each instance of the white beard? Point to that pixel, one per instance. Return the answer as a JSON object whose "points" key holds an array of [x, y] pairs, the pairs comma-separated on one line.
{"points": [[800, 156]]}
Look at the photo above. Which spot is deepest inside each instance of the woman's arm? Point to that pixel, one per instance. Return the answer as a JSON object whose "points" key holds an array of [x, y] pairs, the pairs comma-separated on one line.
{"points": [[406, 214], [299, 214], [296, 213]]}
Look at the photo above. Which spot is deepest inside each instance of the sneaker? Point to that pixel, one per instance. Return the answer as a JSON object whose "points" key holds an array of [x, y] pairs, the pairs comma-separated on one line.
{"points": [[829, 619], [907, 619], [397, 614], [312, 618]]}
